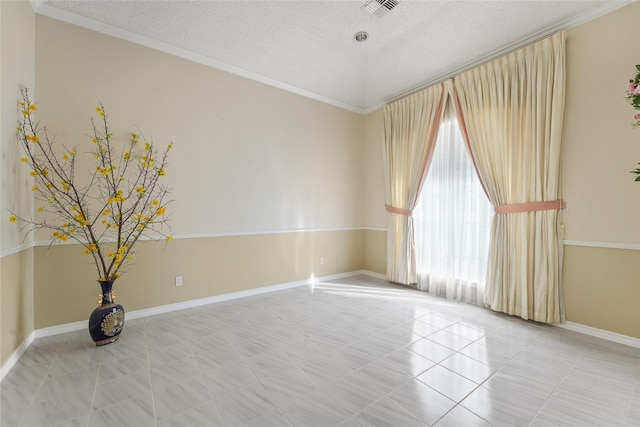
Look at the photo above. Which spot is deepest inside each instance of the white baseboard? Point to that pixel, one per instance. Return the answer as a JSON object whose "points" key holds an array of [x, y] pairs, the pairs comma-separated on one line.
{"points": [[16, 355], [601, 333]]}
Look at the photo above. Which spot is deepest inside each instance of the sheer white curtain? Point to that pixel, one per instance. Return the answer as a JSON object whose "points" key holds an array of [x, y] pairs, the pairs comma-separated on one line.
{"points": [[452, 221]]}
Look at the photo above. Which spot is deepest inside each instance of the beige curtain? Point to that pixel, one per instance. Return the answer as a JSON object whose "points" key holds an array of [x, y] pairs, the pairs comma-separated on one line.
{"points": [[410, 128], [511, 113]]}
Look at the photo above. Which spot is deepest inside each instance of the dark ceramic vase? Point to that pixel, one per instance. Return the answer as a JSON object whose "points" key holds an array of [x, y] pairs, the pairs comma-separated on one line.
{"points": [[107, 320]]}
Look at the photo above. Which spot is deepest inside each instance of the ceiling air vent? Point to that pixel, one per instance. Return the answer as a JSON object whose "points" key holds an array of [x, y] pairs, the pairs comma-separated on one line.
{"points": [[379, 7]]}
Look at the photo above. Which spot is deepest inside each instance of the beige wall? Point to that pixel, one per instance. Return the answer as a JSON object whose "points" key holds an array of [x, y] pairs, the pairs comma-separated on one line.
{"points": [[375, 251], [16, 301], [17, 38], [374, 215], [246, 157], [602, 288], [599, 145], [66, 290], [248, 160], [602, 285]]}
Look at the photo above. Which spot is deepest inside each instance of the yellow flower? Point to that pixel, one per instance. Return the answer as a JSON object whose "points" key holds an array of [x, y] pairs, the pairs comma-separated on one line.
{"points": [[65, 157], [33, 173], [34, 188], [32, 107], [141, 190], [134, 135], [155, 203], [160, 211], [170, 146], [162, 172], [13, 218], [169, 238], [94, 140], [106, 212], [41, 208], [25, 112], [110, 254], [24, 159], [35, 138], [126, 155], [60, 236], [147, 146], [72, 153]]}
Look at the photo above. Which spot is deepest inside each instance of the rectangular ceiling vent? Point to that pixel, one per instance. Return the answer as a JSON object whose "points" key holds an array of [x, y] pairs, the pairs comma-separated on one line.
{"points": [[379, 7]]}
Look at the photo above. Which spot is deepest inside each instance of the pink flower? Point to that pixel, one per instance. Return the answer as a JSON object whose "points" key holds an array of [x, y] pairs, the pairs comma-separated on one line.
{"points": [[631, 87], [637, 90], [637, 116]]}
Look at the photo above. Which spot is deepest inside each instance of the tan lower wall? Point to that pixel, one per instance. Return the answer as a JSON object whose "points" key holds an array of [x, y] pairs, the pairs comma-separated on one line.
{"points": [[375, 251], [602, 288], [16, 301], [66, 290]]}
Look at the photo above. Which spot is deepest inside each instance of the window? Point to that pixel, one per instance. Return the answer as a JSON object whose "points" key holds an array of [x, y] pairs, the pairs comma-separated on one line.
{"points": [[452, 221]]}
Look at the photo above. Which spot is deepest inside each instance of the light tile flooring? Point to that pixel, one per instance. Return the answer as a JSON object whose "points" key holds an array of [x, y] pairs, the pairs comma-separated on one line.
{"points": [[352, 352]]}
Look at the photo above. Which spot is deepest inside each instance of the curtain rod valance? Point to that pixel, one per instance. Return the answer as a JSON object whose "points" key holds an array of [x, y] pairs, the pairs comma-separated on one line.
{"points": [[471, 67]]}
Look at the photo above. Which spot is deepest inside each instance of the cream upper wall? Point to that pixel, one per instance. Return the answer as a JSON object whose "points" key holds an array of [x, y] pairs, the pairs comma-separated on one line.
{"points": [[17, 65], [375, 215], [247, 157], [599, 146]]}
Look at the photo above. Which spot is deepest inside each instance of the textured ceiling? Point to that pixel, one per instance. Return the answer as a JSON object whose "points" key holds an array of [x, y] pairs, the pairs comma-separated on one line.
{"points": [[308, 47]]}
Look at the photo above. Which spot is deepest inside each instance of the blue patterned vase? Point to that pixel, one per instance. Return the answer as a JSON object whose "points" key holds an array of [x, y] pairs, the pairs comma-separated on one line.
{"points": [[107, 320]]}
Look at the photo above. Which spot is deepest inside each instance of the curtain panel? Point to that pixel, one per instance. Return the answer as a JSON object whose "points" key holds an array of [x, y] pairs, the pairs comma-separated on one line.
{"points": [[511, 111], [410, 129]]}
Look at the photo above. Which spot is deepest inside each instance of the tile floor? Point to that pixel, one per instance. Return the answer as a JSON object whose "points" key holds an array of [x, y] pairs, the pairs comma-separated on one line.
{"points": [[352, 352]]}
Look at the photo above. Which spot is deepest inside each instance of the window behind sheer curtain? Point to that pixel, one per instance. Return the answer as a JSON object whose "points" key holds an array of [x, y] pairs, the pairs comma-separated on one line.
{"points": [[452, 222]]}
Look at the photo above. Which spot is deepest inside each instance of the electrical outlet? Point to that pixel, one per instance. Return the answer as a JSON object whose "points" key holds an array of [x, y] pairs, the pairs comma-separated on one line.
{"points": [[178, 280]]}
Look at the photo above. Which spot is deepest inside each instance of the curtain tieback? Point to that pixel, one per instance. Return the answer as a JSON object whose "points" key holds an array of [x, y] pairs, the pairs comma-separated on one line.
{"points": [[398, 211], [530, 207]]}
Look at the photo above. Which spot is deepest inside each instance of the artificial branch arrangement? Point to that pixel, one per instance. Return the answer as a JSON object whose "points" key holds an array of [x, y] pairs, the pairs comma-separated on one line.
{"points": [[106, 208], [633, 97]]}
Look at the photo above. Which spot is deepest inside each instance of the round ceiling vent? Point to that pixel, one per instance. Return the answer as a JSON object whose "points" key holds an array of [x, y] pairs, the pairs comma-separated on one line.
{"points": [[361, 36]]}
